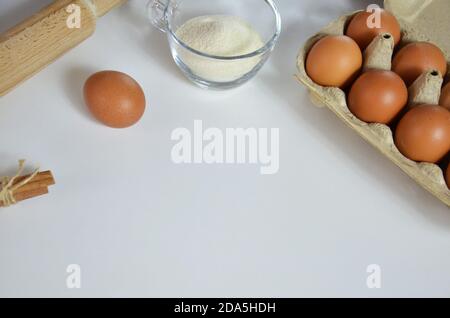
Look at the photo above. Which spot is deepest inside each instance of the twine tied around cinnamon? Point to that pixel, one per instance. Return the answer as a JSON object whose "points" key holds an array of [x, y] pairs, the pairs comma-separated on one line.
{"points": [[8, 187]]}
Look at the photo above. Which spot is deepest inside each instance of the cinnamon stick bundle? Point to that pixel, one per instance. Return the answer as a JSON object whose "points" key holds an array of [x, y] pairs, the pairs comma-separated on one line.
{"points": [[37, 186]]}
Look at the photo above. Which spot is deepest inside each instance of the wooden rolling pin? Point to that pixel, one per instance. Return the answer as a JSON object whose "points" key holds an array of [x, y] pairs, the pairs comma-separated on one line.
{"points": [[36, 42]]}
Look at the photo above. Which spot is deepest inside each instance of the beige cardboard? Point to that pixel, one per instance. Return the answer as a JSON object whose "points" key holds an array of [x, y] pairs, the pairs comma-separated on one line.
{"points": [[424, 20], [421, 20]]}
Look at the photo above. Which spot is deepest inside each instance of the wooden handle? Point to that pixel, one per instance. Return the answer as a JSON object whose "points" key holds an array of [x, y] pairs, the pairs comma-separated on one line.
{"points": [[36, 42], [102, 7]]}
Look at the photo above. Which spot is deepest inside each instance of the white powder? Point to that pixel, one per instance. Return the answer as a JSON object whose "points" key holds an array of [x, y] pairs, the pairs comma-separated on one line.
{"points": [[223, 36]]}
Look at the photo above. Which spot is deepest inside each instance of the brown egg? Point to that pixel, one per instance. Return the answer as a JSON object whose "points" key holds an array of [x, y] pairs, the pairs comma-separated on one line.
{"points": [[359, 28], [377, 96], [114, 98], [447, 177], [445, 97], [423, 134], [417, 58], [334, 61]]}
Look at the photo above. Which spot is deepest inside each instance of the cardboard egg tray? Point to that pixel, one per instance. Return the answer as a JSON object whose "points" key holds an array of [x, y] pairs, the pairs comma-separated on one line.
{"points": [[420, 20]]}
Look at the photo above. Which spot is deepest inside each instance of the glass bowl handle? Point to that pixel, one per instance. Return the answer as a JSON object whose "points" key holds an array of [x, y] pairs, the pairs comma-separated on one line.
{"points": [[156, 12]]}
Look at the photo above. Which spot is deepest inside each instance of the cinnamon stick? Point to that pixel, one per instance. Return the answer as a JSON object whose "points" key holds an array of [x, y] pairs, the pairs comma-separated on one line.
{"points": [[42, 180], [36, 187], [29, 194], [40, 176]]}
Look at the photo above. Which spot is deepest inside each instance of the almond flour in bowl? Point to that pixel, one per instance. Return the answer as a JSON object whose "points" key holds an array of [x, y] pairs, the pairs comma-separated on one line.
{"points": [[224, 36], [218, 44]]}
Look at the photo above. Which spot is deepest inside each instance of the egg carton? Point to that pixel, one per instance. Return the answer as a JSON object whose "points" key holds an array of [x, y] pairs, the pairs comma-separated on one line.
{"points": [[420, 20]]}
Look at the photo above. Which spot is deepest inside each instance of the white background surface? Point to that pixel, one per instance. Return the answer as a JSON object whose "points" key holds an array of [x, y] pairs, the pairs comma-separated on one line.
{"points": [[140, 225]]}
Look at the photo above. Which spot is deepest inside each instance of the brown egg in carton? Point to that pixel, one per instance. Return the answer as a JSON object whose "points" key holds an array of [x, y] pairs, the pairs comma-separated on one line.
{"points": [[425, 90]]}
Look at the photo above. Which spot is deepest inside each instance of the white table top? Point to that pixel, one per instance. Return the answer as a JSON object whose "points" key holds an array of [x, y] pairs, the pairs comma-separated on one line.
{"points": [[140, 225]]}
